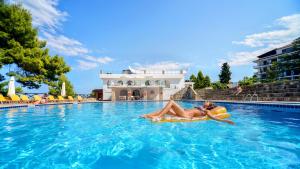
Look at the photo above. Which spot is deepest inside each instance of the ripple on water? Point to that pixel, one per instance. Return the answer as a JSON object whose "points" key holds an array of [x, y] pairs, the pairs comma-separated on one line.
{"points": [[111, 135]]}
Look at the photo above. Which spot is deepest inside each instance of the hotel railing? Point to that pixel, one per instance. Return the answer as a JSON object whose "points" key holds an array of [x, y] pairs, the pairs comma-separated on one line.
{"points": [[152, 72], [116, 85]]}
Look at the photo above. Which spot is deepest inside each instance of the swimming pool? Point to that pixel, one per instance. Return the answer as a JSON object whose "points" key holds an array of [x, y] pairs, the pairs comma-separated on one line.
{"points": [[111, 135]]}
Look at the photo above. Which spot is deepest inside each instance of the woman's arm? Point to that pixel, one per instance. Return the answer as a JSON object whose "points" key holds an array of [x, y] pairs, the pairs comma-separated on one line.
{"points": [[217, 119]]}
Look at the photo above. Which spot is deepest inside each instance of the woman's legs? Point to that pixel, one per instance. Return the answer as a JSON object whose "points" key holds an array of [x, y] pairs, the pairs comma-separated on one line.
{"points": [[166, 110], [155, 114], [172, 107]]}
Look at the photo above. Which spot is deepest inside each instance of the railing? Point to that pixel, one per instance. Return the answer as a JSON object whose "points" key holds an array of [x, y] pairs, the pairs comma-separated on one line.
{"points": [[151, 85], [254, 95], [248, 95], [139, 72], [251, 97]]}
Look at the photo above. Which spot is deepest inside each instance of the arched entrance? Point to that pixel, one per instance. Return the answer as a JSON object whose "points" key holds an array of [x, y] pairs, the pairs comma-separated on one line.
{"points": [[136, 94], [123, 94]]}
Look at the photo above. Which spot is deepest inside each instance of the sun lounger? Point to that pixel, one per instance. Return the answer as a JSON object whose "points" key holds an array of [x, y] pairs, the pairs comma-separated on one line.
{"points": [[79, 99], [15, 98], [60, 98], [70, 98], [24, 99], [3, 99], [37, 98], [51, 98]]}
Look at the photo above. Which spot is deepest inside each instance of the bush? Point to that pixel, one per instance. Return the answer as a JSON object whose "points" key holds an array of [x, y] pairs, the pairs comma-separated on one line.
{"points": [[219, 85], [248, 81]]}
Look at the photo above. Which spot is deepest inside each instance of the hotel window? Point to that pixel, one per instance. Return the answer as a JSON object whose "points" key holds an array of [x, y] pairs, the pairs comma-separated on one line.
{"points": [[167, 83], [264, 69], [157, 82], [137, 83], [108, 83], [274, 60], [163, 83], [265, 63], [284, 73], [287, 50], [123, 92]]}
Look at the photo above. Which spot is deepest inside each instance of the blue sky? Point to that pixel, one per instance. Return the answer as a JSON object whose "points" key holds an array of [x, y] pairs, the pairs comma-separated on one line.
{"points": [[198, 35]]}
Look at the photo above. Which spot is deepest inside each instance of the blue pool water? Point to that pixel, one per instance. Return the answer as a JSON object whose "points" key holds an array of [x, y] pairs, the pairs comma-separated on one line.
{"points": [[111, 135]]}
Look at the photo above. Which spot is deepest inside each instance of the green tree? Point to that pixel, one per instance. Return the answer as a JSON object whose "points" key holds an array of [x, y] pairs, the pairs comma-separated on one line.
{"points": [[20, 47], [248, 81], [272, 73], [200, 81], [225, 74], [200, 78], [193, 78], [206, 81], [219, 85], [55, 89]]}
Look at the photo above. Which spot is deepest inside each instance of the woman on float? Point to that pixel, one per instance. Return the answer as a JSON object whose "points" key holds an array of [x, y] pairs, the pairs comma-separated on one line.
{"points": [[173, 109]]}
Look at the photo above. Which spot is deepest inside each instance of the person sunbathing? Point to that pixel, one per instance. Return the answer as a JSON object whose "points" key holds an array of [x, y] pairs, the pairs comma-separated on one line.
{"points": [[173, 109]]}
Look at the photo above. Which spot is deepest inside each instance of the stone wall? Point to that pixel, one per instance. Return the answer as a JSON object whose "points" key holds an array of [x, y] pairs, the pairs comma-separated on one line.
{"points": [[277, 91], [186, 94]]}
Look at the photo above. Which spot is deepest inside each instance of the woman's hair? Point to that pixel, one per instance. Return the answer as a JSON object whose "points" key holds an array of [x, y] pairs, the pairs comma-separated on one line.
{"points": [[210, 105]]}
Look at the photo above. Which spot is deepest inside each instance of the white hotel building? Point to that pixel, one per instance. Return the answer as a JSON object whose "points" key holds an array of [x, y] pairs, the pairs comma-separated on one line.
{"points": [[265, 61], [142, 84]]}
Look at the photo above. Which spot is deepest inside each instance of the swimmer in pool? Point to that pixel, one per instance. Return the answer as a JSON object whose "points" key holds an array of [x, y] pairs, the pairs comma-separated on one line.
{"points": [[173, 109]]}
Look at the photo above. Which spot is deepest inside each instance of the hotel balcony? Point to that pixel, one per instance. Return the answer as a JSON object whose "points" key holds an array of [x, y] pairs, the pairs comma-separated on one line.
{"points": [[137, 86]]}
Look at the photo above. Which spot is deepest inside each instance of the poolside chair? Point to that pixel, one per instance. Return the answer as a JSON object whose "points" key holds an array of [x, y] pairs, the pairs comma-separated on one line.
{"points": [[15, 98], [70, 98], [79, 99], [37, 98], [3, 99], [24, 98], [60, 98], [51, 98]]}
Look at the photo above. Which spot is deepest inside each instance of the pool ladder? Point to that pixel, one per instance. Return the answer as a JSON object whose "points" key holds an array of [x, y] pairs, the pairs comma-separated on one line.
{"points": [[251, 97]]}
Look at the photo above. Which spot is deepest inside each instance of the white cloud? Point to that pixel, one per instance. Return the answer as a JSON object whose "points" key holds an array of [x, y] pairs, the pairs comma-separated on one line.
{"points": [[165, 65], [64, 45], [266, 41], [246, 57], [91, 62], [45, 13], [48, 18], [101, 60], [290, 29], [85, 65]]}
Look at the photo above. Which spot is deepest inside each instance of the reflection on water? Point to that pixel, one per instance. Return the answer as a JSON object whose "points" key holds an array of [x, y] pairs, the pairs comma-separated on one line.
{"points": [[61, 111], [50, 107], [79, 106], [11, 113]]}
